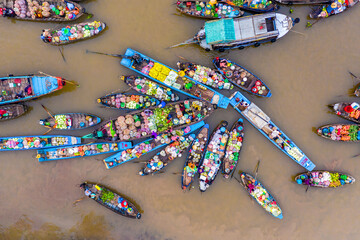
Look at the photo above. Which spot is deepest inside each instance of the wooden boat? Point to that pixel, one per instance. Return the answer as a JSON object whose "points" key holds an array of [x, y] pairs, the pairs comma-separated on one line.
{"points": [[170, 78], [41, 10], [70, 121], [349, 111], [111, 200], [233, 148], [263, 123], [307, 2], [167, 155], [12, 111], [72, 33], [194, 157], [150, 88], [241, 32], [340, 132], [324, 179], [36, 142], [333, 8], [128, 101], [81, 150], [209, 11], [213, 156], [149, 145], [261, 195], [255, 5], [241, 77], [22, 88], [205, 75], [153, 121]]}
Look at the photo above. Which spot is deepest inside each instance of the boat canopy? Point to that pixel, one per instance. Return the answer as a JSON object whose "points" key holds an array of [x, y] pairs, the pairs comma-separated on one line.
{"points": [[220, 31], [256, 115], [241, 29]]}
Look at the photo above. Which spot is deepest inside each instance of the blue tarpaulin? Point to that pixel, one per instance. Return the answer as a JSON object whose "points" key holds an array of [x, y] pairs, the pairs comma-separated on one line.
{"points": [[220, 31]]}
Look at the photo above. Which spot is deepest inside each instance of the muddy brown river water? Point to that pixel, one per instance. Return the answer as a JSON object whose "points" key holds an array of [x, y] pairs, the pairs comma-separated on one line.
{"points": [[305, 71]]}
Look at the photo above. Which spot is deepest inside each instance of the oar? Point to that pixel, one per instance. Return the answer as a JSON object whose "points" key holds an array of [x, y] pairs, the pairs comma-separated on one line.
{"points": [[353, 75], [67, 81], [50, 129], [257, 169], [48, 112], [61, 50], [107, 54]]}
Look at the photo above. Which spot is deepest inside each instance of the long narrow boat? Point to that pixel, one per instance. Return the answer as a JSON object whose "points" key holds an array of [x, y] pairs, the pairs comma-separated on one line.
{"points": [[12, 111], [170, 78], [153, 121], [149, 145], [241, 32], [307, 2], [167, 155], [324, 179], [233, 147], [22, 88], [208, 11], [111, 200], [128, 101], [333, 8], [150, 88], [205, 75], [261, 195], [349, 111], [36, 142], [241, 77], [194, 157], [72, 33], [340, 132], [41, 10], [81, 150], [258, 6], [263, 123], [213, 156], [70, 121]]}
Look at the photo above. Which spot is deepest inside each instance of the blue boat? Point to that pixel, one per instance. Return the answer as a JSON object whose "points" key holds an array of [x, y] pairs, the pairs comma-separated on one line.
{"points": [[128, 101], [169, 77], [195, 157], [23, 88], [264, 124], [36, 142], [149, 145], [241, 77], [81, 150], [261, 195]]}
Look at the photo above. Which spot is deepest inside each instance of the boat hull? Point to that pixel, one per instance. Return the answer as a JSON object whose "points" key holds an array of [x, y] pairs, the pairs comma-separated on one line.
{"points": [[171, 79], [71, 121], [324, 179], [12, 111], [14, 89], [36, 142], [116, 202], [340, 132], [81, 150]]}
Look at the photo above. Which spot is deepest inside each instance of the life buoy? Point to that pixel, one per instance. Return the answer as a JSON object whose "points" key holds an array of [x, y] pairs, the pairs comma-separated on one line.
{"points": [[254, 90]]}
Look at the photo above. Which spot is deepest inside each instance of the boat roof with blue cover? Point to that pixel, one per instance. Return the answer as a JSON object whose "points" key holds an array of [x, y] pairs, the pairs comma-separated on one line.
{"points": [[217, 98], [264, 124]]}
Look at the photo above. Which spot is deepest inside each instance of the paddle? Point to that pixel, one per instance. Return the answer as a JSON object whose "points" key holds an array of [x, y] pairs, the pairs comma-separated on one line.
{"points": [[189, 41], [107, 54], [61, 50], [257, 169], [353, 75], [67, 81], [48, 112]]}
